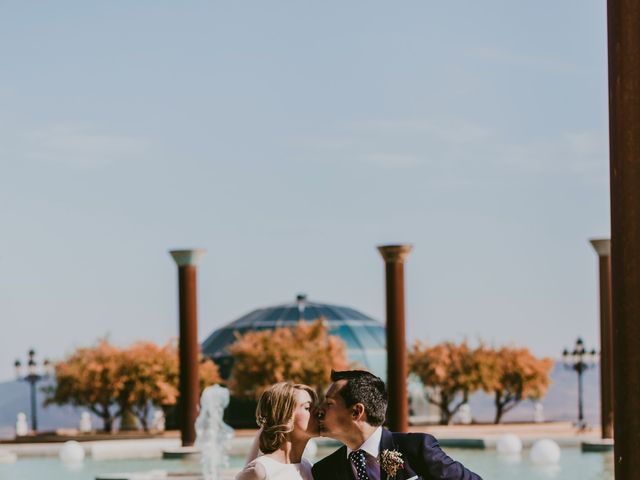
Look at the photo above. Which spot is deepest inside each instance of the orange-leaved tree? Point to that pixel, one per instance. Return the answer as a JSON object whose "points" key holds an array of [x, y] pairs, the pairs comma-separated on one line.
{"points": [[89, 378], [513, 374], [110, 381], [209, 373], [305, 354], [451, 370], [150, 377]]}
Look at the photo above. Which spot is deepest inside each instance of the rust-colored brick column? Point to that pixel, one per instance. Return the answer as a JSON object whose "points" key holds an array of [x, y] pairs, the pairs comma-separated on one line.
{"points": [[187, 261], [603, 249], [623, 18], [397, 371]]}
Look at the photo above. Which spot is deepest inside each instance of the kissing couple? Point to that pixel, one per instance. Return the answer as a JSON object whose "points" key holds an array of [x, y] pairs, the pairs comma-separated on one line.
{"points": [[353, 413]]}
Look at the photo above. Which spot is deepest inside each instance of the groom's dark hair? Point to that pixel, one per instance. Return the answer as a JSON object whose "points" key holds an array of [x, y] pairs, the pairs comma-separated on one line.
{"points": [[365, 388]]}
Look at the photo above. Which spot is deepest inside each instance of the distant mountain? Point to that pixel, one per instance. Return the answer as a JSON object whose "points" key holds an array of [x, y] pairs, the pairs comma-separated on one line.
{"points": [[561, 403], [15, 398]]}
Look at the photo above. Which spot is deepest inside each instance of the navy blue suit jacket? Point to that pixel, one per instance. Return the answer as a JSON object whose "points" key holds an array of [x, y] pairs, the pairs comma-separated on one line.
{"points": [[422, 455]]}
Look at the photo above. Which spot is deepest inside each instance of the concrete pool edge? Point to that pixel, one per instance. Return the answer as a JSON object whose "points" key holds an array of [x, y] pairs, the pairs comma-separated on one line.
{"points": [[154, 448], [474, 436]]}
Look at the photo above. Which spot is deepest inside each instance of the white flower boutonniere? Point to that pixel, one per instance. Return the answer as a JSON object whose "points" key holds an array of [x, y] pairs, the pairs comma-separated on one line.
{"points": [[391, 461]]}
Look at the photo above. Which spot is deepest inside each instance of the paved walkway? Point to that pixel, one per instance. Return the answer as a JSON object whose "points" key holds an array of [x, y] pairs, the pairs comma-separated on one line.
{"points": [[480, 431], [109, 448], [526, 430], [564, 433]]}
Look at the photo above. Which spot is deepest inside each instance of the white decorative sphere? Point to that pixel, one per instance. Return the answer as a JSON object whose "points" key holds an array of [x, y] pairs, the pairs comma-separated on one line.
{"points": [[509, 444], [71, 452], [545, 452]]}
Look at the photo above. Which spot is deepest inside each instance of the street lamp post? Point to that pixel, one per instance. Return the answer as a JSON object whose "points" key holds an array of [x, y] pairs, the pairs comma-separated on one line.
{"points": [[579, 360], [33, 376]]}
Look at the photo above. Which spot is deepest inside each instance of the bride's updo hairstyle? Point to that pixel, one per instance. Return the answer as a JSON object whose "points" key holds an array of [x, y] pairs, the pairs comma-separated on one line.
{"points": [[275, 412]]}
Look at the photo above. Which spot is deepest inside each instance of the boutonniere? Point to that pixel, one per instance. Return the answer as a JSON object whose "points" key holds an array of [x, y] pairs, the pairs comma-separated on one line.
{"points": [[391, 461]]}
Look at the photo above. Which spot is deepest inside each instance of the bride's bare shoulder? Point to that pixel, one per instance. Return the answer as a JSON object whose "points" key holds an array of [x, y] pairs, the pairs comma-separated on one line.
{"points": [[253, 471]]}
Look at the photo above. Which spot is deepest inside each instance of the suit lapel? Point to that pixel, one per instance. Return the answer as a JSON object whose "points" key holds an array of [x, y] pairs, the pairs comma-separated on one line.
{"points": [[344, 465], [387, 443]]}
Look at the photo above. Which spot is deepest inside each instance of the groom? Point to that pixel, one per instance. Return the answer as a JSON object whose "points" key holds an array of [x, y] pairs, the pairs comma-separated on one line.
{"points": [[353, 412]]}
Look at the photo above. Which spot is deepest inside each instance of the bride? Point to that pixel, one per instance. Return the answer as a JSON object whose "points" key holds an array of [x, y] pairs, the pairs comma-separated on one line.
{"points": [[286, 416]]}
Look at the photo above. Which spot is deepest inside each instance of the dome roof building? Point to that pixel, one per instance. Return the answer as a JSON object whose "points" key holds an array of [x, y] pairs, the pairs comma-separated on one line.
{"points": [[363, 335]]}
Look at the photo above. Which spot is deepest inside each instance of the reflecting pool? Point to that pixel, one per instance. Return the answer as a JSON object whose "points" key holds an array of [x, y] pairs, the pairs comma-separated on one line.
{"points": [[573, 465]]}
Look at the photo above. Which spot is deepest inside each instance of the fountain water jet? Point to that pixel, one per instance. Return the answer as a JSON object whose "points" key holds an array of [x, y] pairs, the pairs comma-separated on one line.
{"points": [[213, 436]]}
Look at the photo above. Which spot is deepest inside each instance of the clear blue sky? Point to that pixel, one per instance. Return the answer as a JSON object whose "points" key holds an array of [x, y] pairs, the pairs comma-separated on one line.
{"points": [[290, 139]]}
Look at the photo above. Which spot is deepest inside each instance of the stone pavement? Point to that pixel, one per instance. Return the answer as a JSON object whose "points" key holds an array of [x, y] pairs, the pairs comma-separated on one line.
{"points": [[562, 432]]}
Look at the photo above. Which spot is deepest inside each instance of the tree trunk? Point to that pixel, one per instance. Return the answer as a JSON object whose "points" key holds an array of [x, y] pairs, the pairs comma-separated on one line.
{"points": [[142, 415], [104, 413], [445, 413], [107, 425], [499, 407], [445, 416], [499, 414]]}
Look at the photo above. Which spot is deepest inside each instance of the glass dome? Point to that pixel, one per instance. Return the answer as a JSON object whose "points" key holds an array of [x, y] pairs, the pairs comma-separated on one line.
{"points": [[363, 335]]}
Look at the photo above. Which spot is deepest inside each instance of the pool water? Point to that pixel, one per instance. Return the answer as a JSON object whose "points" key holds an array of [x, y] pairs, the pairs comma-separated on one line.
{"points": [[574, 465], [487, 463]]}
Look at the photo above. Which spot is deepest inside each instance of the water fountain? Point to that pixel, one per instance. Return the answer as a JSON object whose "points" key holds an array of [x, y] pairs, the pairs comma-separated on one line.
{"points": [[213, 436], [213, 440]]}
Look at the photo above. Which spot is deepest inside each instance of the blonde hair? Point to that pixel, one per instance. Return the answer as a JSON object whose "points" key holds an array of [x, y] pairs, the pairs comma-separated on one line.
{"points": [[274, 414]]}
